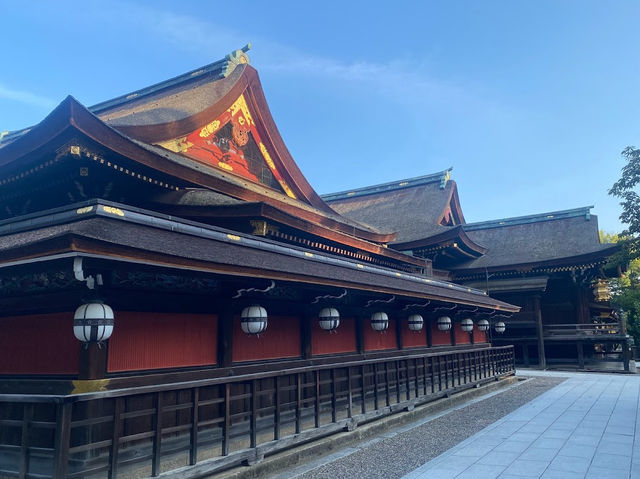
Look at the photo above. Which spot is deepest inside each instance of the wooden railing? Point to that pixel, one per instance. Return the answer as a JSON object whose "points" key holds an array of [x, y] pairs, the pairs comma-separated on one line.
{"points": [[193, 428], [582, 329]]}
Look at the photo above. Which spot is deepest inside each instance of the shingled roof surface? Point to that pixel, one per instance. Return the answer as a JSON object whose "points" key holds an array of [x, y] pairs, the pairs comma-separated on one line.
{"points": [[410, 207], [174, 102], [535, 238]]}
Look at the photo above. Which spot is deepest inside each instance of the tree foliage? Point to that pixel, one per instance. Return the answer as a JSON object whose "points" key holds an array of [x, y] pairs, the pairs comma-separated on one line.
{"points": [[626, 289]]}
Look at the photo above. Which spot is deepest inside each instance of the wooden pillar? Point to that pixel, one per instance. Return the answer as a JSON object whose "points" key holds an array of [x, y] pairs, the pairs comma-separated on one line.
{"points": [[92, 361], [453, 333], [428, 324], [225, 337], [360, 320], [305, 330], [399, 341], [626, 355], [542, 359], [525, 354], [580, 355]]}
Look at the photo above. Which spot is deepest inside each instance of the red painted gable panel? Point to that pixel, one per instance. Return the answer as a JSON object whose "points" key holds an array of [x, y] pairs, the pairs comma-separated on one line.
{"points": [[413, 339], [38, 344], [343, 340], [439, 338], [280, 340], [461, 336], [374, 340], [162, 340]]}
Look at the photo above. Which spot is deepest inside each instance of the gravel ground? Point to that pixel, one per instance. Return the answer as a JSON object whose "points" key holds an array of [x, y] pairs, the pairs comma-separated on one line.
{"points": [[398, 453]]}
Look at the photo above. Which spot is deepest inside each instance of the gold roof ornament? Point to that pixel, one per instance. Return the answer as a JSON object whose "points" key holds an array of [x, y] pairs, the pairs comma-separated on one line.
{"points": [[235, 58]]}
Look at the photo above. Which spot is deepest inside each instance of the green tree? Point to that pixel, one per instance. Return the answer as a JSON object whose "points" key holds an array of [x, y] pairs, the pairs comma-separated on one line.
{"points": [[626, 288]]}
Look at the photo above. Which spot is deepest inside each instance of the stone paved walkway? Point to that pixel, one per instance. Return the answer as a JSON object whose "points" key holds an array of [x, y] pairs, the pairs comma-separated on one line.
{"points": [[583, 428]]}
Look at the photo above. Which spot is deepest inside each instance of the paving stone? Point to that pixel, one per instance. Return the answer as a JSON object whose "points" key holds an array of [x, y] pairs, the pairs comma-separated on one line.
{"points": [[524, 468]]}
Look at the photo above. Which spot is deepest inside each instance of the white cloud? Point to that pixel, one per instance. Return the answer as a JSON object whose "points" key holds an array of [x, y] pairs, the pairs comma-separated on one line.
{"points": [[26, 97]]}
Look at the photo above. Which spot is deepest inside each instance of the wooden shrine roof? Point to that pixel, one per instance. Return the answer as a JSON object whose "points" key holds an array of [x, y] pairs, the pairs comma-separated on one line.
{"points": [[141, 126], [557, 237], [414, 207]]}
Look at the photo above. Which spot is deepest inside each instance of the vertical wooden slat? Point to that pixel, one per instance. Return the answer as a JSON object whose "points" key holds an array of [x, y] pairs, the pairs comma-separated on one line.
{"points": [[157, 436], [386, 383], [27, 416], [253, 430], [298, 403], [407, 379], [227, 421], [376, 402], [364, 389], [317, 402], [62, 437], [398, 397], [193, 452], [334, 406], [458, 367], [439, 373], [416, 377], [349, 393], [118, 409], [277, 413], [425, 363], [431, 370], [446, 370]]}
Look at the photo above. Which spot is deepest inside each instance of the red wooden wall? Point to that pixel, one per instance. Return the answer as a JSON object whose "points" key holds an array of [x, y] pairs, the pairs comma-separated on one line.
{"points": [[342, 341], [374, 340], [38, 344], [413, 339], [461, 336], [479, 336], [161, 340], [280, 340], [439, 338]]}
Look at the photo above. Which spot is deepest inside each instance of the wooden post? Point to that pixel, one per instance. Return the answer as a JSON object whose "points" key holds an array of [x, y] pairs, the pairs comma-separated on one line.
{"points": [[580, 355], [360, 334], [453, 333], [542, 360], [428, 325], [525, 354], [92, 361], [399, 341], [306, 335], [225, 337]]}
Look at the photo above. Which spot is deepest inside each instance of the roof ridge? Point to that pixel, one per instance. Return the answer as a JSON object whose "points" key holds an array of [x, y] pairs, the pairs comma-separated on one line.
{"points": [[220, 68], [534, 218], [441, 176]]}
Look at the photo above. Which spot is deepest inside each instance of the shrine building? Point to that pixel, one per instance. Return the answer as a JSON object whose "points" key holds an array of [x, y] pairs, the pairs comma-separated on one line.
{"points": [[176, 299]]}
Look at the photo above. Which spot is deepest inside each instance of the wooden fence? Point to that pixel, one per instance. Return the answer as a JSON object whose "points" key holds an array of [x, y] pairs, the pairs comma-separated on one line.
{"points": [[187, 429]]}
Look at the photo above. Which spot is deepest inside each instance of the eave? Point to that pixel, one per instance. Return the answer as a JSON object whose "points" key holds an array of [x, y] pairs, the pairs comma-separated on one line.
{"points": [[569, 263], [268, 212], [453, 238], [117, 235]]}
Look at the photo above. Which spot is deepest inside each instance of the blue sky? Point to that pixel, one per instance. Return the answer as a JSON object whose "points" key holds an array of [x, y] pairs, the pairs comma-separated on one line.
{"points": [[530, 102]]}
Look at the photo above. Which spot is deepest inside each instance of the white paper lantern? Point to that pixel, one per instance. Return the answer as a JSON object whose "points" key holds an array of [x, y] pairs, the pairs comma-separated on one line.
{"points": [[329, 319], [444, 323], [415, 322], [467, 325], [379, 321], [500, 327], [483, 325], [93, 322], [253, 319]]}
